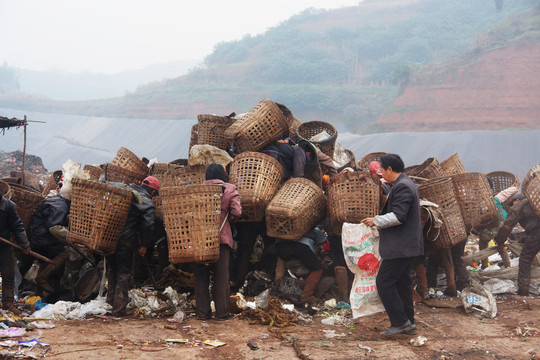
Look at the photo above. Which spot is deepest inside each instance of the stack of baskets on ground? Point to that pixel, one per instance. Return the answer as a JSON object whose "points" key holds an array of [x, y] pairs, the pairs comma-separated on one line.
{"points": [[352, 196], [257, 177], [531, 188], [98, 214], [192, 220], [441, 192], [297, 207]]}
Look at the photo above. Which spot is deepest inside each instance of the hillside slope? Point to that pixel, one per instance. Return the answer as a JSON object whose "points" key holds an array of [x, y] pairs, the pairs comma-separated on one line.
{"points": [[496, 91]]}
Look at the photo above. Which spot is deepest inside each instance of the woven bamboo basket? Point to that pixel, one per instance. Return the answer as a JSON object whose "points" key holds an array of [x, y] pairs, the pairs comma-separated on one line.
{"points": [[165, 173], [297, 207], [503, 180], [531, 188], [189, 175], [352, 196], [116, 173], [475, 200], [260, 126], [5, 189], [194, 138], [257, 178], [128, 160], [293, 122], [97, 215], [441, 192], [182, 162], [351, 163], [191, 216], [27, 201], [364, 162], [309, 129], [212, 130], [93, 171], [429, 169], [452, 165], [52, 183]]}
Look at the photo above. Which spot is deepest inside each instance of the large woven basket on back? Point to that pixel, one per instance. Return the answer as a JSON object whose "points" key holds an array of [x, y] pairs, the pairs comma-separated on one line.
{"points": [[503, 180], [194, 138], [52, 183], [115, 173], [475, 200], [94, 171], [260, 126], [128, 160], [531, 188], [191, 215], [452, 165], [211, 130], [172, 175], [441, 192], [351, 163], [310, 129], [364, 162], [27, 201], [5, 189], [97, 215], [257, 177], [429, 169], [352, 196], [297, 207], [293, 122]]}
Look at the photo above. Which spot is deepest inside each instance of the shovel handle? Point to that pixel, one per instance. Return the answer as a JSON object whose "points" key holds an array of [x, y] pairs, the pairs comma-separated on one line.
{"points": [[29, 252]]}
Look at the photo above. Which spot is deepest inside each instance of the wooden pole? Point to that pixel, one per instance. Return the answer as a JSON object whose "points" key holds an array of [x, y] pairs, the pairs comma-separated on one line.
{"points": [[30, 252], [24, 153]]}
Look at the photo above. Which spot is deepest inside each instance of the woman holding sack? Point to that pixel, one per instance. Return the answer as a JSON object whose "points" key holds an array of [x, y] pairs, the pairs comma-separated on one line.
{"points": [[230, 211]]}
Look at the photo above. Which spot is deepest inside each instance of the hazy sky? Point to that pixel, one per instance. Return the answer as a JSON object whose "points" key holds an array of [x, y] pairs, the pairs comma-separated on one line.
{"points": [[109, 36]]}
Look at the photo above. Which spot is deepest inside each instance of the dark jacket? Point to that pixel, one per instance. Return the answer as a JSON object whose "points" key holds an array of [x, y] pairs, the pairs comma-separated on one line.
{"points": [[405, 239], [291, 157], [11, 224], [524, 213], [52, 211], [140, 219]]}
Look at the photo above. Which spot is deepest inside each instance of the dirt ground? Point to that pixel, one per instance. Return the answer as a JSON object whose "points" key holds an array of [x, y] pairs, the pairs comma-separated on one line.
{"points": [[450, 333]]}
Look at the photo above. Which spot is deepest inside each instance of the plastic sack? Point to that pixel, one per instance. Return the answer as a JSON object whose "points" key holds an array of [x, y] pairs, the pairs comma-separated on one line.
{"points": [[71, 170], [208, 154], [362, 242], [478, 301], [67, 310], [500, 286]]}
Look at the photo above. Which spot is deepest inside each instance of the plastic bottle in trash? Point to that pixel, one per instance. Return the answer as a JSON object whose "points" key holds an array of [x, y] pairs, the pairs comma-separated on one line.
{"points": [[178, 317], [262, 299]]}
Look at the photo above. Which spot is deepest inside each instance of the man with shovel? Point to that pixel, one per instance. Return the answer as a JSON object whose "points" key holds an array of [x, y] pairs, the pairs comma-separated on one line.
{"points": [[10, 224]]}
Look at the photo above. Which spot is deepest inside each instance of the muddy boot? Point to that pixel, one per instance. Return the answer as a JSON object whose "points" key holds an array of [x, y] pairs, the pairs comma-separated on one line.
{"points": [[309, 288], [10, 306], [43, 275], [342, 280]]}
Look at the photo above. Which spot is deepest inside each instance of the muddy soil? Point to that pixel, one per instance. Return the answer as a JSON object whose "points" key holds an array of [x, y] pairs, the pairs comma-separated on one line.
{"points": [[450, 333]]}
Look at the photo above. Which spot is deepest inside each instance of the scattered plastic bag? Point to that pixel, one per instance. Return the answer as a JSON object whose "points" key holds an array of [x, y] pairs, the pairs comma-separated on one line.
{"points": [[500, 286], [362, 242], [478, 301], [67, 310], [178, 317], [12, 332]]}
